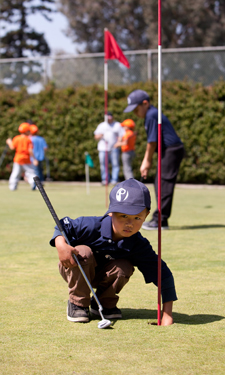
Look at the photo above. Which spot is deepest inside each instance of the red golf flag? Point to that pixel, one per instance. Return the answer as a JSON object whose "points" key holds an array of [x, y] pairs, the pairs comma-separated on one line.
{"points": [[113, 50]]}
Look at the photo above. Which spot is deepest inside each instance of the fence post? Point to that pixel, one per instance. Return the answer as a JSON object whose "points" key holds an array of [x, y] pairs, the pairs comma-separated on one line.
{"points": [[149, 64]]}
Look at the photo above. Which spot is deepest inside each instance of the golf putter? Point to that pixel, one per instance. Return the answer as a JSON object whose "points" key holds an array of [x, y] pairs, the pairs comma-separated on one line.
{"points": [[104, 323]]}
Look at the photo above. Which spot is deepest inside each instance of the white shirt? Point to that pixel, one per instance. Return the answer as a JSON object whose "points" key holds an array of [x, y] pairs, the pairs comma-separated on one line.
{"points": [[111, 133]]}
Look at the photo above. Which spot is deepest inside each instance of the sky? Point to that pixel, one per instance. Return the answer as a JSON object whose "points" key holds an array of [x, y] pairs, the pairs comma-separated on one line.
{"points": [[53, 32]]}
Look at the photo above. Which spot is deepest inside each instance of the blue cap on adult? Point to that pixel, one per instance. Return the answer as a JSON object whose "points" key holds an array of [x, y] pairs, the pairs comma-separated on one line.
{"points": [[135, 98], [129, 197]]}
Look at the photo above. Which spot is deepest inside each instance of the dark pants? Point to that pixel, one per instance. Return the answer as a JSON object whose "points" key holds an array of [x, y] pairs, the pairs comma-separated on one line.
{"points": [[108, 281], [170, 163], [39, 170]]}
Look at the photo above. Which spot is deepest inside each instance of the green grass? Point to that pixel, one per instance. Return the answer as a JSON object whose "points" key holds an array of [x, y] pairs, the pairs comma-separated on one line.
{"points": [[35, 336]]}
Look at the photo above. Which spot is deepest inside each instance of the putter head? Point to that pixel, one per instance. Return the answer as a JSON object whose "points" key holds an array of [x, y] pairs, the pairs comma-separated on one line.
{"points": [[104, 323]]}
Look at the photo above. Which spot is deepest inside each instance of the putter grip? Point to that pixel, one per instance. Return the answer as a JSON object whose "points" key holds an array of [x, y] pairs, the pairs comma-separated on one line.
{"points": [[47, 201], [52, 211]]}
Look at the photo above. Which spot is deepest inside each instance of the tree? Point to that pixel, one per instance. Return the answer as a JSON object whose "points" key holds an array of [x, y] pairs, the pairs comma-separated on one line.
{"points": [[88, 18], [188, 23], [21, 40], [134, 23]]}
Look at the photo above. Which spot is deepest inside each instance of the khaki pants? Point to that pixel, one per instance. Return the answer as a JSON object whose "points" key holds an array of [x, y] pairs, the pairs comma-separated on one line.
{"points": [[108, 281]]}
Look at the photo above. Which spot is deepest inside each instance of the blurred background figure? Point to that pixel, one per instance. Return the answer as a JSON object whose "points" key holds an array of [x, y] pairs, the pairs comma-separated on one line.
{"points": [[21, 163], [107, 134], [172, 153], [127, 144], [39, 149]]}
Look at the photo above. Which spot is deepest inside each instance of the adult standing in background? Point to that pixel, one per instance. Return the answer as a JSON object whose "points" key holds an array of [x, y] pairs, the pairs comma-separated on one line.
{"points": [[107, 134], [172, 153], [39, 149]]}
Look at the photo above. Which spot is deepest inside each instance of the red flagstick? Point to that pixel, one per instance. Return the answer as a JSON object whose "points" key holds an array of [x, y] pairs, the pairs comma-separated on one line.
{"points": [[106, 173], [111, 51], [106, 47], [159, 158]]}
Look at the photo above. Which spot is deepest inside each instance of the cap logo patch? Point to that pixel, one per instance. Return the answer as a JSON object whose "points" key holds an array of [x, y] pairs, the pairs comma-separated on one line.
{"points": [[122, 195], [128, 100]]}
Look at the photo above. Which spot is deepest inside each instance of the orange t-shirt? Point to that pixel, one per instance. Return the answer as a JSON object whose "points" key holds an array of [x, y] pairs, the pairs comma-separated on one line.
{"points": [[130, 137], [22, 144]]}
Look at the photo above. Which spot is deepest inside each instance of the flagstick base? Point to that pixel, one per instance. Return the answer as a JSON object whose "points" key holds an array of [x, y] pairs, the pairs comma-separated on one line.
{"points": [[87, 179]]}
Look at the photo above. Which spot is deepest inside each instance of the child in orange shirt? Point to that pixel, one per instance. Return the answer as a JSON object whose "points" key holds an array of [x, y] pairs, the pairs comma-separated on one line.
{"points": [[21, 162], [127, 144]]}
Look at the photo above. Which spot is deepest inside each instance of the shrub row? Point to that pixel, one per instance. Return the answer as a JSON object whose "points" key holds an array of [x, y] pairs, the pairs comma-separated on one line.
{"points": [[68, 117]]}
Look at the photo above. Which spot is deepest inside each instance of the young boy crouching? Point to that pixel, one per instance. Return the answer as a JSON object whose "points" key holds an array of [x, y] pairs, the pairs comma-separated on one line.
{"points": [[108, 248]]}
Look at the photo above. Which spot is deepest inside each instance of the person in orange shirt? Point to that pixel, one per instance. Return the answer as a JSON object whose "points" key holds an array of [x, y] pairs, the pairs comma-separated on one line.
{"points": [[21, 162], [127, 144]]}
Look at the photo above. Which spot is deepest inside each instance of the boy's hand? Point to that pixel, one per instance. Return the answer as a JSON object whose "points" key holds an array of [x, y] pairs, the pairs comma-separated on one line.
{"points": [[145, 166], [9, 143], [65, 252]]}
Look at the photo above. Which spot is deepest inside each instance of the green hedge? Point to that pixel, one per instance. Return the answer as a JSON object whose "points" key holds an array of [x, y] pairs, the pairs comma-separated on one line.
{"points": [[68, 117]]}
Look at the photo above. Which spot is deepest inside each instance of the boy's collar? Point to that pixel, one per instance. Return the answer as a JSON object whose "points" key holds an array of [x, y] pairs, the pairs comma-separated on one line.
{"points": [[106, 227]]}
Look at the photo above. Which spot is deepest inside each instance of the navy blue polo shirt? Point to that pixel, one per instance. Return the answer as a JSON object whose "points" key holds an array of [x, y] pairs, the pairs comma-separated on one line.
{"points": [[169, 136], [96, 232]]}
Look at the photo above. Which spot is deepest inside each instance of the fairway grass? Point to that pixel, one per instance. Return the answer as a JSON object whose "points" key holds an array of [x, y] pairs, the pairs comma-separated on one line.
{"points": [[35, 336]]}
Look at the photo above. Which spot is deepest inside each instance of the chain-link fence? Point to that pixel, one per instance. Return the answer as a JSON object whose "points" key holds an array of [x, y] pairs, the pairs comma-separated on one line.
{"points": [[204, 65]]}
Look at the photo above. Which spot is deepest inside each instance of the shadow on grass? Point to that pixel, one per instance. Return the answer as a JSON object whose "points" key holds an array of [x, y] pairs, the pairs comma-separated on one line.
{"points": [[204, 226], [178, 318]]}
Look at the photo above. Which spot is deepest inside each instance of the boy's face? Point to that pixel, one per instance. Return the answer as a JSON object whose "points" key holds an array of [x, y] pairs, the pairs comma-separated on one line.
{"points": [[141, 109], [124, 225]]}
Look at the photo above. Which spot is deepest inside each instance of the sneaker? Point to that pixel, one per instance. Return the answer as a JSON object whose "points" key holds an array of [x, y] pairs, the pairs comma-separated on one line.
{"points": [[113, 313], [77, 313], [151, 225], [113, 183]]}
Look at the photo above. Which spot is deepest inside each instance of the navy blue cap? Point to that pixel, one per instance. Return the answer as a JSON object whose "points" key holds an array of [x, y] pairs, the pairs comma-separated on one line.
{"points": [[135, 98], [129, 197]]}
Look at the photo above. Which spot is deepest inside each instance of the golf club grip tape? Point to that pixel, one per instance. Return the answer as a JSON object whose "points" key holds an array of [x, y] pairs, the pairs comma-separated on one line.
{"points": [[47, 201], [51, 209]]}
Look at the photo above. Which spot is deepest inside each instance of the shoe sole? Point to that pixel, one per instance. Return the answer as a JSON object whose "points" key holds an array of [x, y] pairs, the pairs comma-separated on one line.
{"points": [[80, 319], [111, 316], [156, 228]]}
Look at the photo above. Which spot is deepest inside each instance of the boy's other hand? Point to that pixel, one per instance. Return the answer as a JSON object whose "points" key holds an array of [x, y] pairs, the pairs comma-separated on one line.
{"points": [[65, 252]]}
